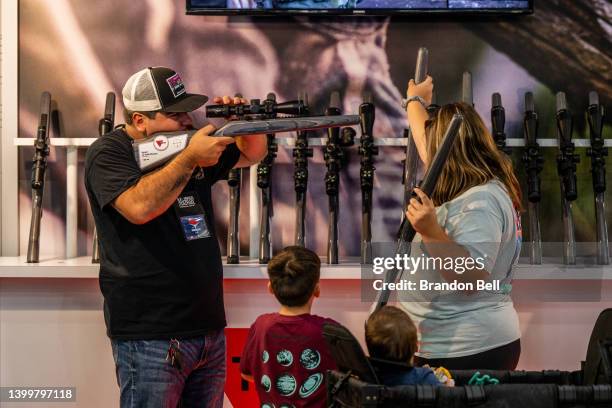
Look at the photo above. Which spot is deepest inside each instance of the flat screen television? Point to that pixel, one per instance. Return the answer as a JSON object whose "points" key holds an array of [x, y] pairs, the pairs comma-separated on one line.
{"points": [[353, 7]]}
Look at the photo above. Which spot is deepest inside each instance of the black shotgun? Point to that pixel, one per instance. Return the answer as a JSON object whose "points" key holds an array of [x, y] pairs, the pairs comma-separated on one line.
{"points": [[411, 163], [597, 152], [39, 165], [566, 168], [534, 163], [367, 151], [105, 125], [407, 232]]}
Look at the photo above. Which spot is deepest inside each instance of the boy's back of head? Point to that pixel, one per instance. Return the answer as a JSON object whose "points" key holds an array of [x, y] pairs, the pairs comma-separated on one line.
{"points": [[391, 335], [294, 273]]}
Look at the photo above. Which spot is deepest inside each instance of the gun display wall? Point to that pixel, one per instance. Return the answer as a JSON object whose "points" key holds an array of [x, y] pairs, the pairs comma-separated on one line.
{"points": [[335, 134]]}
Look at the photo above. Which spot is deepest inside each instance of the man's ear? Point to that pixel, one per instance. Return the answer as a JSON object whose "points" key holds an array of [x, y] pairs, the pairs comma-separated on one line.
{"points": [[139, 121], [270, 288]]}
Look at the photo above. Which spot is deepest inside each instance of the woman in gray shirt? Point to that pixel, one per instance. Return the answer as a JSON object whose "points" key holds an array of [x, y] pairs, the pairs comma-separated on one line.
{"points": [[472, 214]]}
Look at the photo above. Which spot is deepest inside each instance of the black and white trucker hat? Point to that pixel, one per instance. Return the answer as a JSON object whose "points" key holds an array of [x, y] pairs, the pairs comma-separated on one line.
{"points": [[159, 89]]}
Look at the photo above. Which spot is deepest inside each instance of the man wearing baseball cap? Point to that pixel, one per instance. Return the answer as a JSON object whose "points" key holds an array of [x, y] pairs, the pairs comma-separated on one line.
{"points": [[160, 262]]}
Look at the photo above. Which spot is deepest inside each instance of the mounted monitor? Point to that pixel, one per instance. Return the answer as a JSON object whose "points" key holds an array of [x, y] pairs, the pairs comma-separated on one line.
{"points": [[351, 7]]}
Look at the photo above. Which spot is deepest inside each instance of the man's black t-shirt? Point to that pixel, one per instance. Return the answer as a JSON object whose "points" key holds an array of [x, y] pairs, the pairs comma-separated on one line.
{"points": [[162, 279]]}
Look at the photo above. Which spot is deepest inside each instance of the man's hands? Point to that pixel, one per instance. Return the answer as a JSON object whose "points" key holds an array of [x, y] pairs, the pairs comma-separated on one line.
{"points": [[424, 89], [229, 100], [204, 150], [422, 215], [253, 148]]}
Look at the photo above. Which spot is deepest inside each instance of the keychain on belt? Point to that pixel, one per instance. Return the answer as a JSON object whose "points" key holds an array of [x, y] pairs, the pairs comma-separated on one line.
{"points": [[174, 354]]}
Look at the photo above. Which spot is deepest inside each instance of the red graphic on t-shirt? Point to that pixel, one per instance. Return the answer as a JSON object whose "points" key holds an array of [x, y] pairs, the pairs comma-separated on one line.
{"points": [[240, 392]]}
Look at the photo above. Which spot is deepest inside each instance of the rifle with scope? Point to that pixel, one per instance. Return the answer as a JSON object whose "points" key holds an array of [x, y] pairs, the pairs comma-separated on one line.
{"points": [[566, 168], [301, 153], [367, 151], [534, 163], [264, 177], [597, 152], [39, 166], [335, 159]]}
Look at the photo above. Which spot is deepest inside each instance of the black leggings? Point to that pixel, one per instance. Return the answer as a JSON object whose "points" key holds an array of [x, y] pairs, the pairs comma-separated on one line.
{"points": [[500, 358]]}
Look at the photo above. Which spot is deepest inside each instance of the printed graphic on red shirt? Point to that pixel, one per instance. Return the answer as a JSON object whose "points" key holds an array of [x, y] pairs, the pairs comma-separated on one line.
{"points": [[288, 357]]}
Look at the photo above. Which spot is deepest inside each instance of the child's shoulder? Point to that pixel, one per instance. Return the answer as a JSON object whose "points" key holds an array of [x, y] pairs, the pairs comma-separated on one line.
{"points": [[320, 320], [266, 319]]}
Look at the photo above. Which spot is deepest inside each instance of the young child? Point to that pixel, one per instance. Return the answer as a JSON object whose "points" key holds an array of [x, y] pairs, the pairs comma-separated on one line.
{"points": [[285, 353], [391, 337]]}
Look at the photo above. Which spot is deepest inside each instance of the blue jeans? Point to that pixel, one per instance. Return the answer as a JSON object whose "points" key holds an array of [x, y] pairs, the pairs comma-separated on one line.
{"points": [[147, 380]]}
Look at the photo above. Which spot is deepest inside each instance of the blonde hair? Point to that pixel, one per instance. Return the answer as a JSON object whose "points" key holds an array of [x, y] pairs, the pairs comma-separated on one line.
{"points": [[474, 158]]}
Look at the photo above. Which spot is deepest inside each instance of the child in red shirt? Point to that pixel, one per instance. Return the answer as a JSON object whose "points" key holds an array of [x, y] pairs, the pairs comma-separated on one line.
{"points": [[285, 354]]}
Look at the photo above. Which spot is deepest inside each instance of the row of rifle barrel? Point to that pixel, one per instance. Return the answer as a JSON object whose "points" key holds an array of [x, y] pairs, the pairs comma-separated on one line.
{"points": [[39, 167], [334, 146], [338, 140]]}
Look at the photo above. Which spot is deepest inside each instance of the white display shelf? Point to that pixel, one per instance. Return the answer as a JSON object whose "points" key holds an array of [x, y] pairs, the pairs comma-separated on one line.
{"points": [[313, 141], [82, 268]]}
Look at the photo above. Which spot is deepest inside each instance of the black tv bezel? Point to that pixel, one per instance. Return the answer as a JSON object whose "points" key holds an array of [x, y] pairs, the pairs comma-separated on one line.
{"points": [[189, 10]]}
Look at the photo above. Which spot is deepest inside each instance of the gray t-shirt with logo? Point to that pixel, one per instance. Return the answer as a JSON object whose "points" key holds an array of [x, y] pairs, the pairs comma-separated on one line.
{"points": [[456, 323]]}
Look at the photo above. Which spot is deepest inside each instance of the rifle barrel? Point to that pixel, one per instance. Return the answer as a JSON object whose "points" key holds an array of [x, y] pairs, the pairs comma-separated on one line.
{"points": [[39, 165]]}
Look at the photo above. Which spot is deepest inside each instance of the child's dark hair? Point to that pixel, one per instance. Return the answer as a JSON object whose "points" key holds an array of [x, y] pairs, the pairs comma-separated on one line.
{"points": [[294, 273], [391, 335]]}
